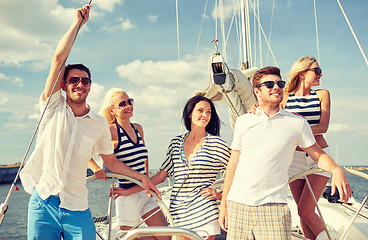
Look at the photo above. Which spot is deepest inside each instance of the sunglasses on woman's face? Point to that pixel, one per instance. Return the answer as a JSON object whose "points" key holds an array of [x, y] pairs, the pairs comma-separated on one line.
{"points": [[271, 84], [85, 81], [317, 70], [123, 104]]}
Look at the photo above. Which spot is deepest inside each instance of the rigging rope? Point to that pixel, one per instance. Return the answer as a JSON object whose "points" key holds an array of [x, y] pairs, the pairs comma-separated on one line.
{"points": [[242, 35], [264, 35], [254, 36], [248, 36], [352, 31], [177, 29], [228, 33], [178, 43], [227, 28], [216, 18], [317, 38], [200, 30], [4, 206], [259, 38], [271, 24], [238, 30]]}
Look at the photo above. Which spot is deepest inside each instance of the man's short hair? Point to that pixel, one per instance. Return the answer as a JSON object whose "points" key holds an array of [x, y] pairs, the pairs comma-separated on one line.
{"points": [[75, 66], [263, 72]]}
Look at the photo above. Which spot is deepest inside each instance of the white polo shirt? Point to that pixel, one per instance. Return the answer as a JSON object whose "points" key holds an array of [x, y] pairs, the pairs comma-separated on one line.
{"points": [[267, 145], [65, 144]]}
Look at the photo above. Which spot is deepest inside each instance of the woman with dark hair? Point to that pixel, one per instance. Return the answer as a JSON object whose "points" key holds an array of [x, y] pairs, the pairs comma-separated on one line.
{"points": [[194, 159], [213, 127]]}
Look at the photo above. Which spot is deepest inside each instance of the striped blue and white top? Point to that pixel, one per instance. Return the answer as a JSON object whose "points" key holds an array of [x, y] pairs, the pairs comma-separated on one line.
{"points": [[307, 106], [134, 155], [187, 206]]}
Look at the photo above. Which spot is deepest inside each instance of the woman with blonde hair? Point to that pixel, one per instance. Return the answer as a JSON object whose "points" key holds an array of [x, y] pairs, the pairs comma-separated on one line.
{"points": [[129, 147], [314, 105]]}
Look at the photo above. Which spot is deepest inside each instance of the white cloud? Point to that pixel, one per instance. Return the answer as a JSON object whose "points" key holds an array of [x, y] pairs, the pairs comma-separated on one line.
{"points": [[96, 96], [126, 24], [153, 18], [3, 101], [14, 80], [18, 108], [3, 76], [107, 5], [30, 36], [339, 128], [220, 13], [189, 71], [35, 116], [158, 97], [18, 81]]}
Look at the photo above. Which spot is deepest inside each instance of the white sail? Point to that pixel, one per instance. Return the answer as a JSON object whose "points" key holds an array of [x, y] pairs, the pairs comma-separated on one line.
{"points": [[231, 87]]}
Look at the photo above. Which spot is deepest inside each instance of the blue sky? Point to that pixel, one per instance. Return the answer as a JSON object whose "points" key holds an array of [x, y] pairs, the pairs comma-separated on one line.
{"points": [[132, 44]]}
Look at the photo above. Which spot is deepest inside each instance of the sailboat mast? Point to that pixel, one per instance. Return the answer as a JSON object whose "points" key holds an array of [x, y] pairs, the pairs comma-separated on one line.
{"points": [[244, 12]]}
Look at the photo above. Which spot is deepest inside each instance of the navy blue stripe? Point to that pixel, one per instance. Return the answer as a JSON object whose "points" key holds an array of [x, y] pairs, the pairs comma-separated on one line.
{"points": [[308, 114], [188, 207], [134, 155], [313, 122], [302, 107]]}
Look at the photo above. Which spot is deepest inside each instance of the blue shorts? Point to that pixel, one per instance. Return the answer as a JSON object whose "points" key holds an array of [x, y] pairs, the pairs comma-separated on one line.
{"points": [[47, 221]]}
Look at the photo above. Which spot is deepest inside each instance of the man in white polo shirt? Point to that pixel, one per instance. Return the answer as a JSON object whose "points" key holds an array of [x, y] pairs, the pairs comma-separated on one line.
{"points": [[254, 196], [69, 135]]}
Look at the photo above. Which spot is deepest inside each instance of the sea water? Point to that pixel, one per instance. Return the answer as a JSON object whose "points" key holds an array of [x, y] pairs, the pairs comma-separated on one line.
{"points": [[14, 225]]}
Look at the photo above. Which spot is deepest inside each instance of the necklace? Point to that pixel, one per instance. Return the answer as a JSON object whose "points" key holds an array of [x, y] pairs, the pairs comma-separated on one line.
{"points": [[189, 162]]}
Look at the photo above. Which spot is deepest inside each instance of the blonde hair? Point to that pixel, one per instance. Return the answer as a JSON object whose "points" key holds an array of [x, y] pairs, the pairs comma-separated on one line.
{"points": [[301, 65], [108, 103]]}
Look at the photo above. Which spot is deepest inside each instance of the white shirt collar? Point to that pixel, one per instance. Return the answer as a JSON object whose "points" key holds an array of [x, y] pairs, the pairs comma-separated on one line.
{"points": [[281, 111]]}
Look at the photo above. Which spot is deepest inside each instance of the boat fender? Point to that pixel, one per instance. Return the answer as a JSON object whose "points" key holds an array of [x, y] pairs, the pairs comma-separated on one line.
{"points": [[332, 199], [333, 234], [16, 188], [100, 219]]}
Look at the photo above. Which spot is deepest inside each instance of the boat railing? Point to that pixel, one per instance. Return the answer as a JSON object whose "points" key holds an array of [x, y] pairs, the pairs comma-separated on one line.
{"points": [[161, 231], [108, 219], [346, 170]]}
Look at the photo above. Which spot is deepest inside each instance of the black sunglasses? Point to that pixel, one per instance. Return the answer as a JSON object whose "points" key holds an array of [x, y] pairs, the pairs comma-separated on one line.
{"points": [[271, 84], [123, 104], [85, 81], [317, 70]]}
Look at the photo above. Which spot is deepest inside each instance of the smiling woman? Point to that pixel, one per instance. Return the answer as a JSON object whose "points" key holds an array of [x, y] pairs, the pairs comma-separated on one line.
{"points": [[129, 147], [314, 105], [195, 158]]}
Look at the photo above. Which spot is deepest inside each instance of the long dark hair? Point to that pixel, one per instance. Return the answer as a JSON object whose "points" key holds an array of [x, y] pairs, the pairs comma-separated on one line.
{"points": [[213, 127]]}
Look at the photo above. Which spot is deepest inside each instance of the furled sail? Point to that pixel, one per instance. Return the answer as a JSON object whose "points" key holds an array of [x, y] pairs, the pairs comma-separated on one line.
{"points": [[231, 87]]}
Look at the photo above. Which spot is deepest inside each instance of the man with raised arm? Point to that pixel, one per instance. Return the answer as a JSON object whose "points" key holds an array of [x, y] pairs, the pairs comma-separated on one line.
{"points": [[254, 195], [69, 135]]}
